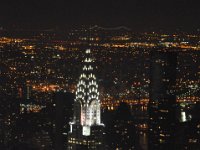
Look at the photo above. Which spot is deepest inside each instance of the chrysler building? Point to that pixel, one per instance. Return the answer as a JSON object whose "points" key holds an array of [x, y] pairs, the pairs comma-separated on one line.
{"points": [[86, 129]]}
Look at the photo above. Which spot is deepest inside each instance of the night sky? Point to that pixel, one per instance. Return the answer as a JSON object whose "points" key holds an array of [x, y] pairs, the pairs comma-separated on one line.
{"points": [[132, 13]]}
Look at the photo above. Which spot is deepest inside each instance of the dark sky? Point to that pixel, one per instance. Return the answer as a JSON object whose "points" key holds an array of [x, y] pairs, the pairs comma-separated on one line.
{"points": [[133, 13]]}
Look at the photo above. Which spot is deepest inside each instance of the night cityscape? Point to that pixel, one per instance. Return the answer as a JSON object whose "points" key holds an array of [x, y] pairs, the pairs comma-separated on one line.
{"points": [[109, 75]]}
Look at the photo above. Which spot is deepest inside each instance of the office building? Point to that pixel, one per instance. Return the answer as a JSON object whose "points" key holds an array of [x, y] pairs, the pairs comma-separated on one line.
{"points": [[86, 129], [162, 104]]}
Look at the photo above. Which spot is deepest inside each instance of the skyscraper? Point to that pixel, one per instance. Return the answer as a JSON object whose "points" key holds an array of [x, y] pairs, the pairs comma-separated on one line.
{"points": [[122, 130], [63, 109], [162, 114], [86, 129]]}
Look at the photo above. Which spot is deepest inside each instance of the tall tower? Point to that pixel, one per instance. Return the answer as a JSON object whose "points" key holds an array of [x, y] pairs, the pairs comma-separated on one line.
{"points": [[63, 108], [162, 104], [86, 129]]}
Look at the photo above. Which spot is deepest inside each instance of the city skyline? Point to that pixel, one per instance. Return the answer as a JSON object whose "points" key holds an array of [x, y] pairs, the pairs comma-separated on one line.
{"points": [[38, 64], [102, 75]]}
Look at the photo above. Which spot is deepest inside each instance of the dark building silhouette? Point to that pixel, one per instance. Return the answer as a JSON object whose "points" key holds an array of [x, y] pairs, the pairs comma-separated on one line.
{"points": [[23, 129], [120, 130], [33, 132], [63, 113], [162, 113]]}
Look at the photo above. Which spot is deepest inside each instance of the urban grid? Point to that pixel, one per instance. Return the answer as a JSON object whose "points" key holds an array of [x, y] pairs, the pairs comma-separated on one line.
{"points": [[99, 87]]}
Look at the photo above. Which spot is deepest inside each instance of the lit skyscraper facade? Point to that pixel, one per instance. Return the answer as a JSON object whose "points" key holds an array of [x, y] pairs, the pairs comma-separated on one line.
{"points": [[86, 129]]}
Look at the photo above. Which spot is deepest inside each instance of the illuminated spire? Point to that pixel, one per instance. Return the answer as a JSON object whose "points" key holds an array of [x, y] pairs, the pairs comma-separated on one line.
{"points": [[87, 95]]}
